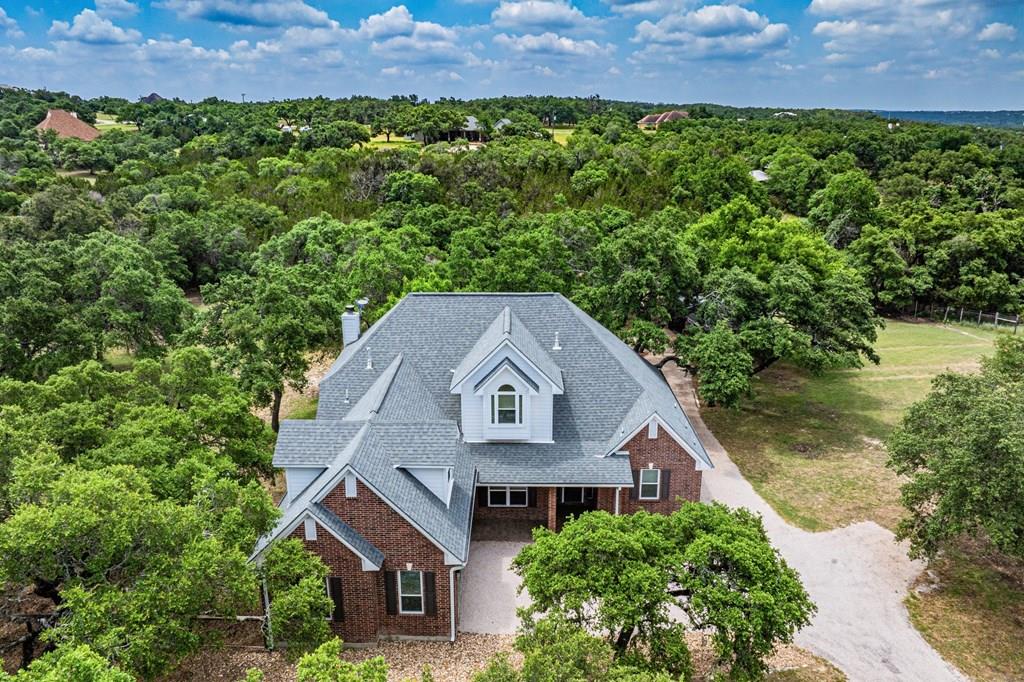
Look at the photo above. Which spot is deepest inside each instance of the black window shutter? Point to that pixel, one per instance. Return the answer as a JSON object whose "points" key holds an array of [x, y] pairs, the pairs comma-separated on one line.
{"points": [[334, 589], [634, 494], [429, 593], [481, 496], [665, 478], [531, 497], [391, 592]]}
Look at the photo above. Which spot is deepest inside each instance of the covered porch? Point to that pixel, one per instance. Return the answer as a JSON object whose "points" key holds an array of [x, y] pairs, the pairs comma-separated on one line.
{"points": [[510, 513]]}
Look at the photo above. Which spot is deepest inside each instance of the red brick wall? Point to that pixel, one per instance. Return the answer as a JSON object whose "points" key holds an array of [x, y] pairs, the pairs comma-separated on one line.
{"points": [[664, 453], [366, 615], [538, 512]]}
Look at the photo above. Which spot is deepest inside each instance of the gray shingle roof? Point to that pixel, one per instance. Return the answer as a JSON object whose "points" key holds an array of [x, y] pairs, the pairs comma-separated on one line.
{"points": [[306, 442], [609, 392], [350, 535], [507, 327]]}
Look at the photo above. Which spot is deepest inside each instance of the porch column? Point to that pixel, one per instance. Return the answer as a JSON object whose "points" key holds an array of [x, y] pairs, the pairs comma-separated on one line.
{"points": [[553, 508]]}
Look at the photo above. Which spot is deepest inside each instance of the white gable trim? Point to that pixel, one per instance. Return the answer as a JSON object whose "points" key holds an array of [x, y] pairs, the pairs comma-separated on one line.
{"points": [[507, 343], [333, 483], [367, 564], [310, 515], [701, 465]]}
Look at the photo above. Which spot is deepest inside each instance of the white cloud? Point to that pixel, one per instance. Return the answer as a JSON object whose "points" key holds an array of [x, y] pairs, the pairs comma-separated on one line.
{"points": [[178, 51], [89, 27], [9, 26], [116, 8], [262, 13], [836, 57], [717, 20], [711, 32], [998, 31], [552, 44], [644, 7], [881, 67], [538, 15], [991, 54], [397, 21]]}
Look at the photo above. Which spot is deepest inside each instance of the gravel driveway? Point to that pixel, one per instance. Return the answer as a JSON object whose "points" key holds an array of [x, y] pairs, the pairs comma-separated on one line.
{"points": [[489, 599], [857, 575]]}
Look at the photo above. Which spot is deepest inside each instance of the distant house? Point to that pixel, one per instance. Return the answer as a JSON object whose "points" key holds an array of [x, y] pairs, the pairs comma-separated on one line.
{"points": [[784, 114], [760, 176], [67, 124], [655, 120], [151, 98]]}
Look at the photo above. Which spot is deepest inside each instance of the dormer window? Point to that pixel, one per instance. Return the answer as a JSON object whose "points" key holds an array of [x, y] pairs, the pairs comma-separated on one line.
{"points": [[506, 406]]}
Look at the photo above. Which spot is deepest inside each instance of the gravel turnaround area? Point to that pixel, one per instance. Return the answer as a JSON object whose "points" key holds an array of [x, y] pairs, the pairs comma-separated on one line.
{"points": [[858, 576]]}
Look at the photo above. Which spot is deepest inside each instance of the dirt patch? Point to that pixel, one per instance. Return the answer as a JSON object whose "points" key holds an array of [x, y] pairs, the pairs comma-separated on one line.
{"points": [[319, 363]]}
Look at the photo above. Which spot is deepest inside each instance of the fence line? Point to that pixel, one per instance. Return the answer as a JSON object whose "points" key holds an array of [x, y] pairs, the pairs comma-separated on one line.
{"points": [[964, 315]]}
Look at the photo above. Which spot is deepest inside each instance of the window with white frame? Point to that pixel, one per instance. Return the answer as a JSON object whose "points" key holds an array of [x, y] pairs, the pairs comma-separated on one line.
{"points": [[650, 484], [410, 592], [572, 495], [507, 497], [506, 406]]}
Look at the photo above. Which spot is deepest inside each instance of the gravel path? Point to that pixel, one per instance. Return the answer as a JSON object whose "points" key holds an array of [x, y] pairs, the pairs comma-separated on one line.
{"points": [[857, 575]]}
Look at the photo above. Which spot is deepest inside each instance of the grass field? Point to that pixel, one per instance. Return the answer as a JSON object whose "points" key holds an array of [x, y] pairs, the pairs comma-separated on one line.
{"points": [[303, 408], [813, 445], [397, 141], [977, 593], [108, 122], [562, 134]]}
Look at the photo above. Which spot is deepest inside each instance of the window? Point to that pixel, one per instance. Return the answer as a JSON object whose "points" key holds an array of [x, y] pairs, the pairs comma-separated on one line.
{"points": [[506, 406], [572, 495], [506, 497], [650, 484], [410, 592], [337, 599]]}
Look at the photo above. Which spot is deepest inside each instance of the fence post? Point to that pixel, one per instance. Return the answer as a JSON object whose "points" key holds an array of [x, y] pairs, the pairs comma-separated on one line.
{"points": [[1016, 322], [961, 314], [915, 309], [945, 315], [979, 318]]}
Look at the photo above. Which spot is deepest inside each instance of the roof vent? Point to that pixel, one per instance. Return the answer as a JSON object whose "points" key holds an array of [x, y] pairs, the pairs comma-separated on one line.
{"points": [[557, 345], [346, 397], [369, 358]]}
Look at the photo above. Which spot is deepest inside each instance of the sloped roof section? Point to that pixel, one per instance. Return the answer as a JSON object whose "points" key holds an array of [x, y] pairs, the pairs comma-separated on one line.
{"points": [[314, 443], [67, 124], [508, 327], [349, 535]]}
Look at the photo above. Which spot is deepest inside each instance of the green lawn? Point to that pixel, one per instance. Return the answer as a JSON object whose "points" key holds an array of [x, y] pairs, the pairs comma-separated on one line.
{"points": [[107, 122], [813, 445], [562, 134], [302, 408], [977, 592]]}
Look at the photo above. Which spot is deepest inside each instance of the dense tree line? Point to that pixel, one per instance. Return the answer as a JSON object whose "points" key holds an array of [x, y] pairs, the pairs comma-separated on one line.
{"points": [[244, 229]]}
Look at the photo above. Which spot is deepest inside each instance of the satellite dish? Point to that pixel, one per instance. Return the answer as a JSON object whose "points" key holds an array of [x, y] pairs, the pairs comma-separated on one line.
{"points": [[362, 302]]}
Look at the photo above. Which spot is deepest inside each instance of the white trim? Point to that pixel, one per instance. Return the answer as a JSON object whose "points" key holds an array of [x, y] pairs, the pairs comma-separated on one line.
{"points": [[700, 465], [309, 528], [350, 485], [508, 496], [640, 486], [325, 491], [421, 596], [652, 429], [581, 488], [618, 494], [555, 388]]}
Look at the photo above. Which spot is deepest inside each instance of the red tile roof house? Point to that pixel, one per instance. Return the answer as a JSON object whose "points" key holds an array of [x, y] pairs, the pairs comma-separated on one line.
{"points": [[655, 120], [67, 124], [463, 410]]}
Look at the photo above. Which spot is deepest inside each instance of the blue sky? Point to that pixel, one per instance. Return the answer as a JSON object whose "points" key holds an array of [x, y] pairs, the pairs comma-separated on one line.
{"points": [[897, 54]]}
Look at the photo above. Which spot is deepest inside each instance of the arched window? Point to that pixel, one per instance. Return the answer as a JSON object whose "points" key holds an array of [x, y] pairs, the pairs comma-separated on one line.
{"points": [[506, 406]]}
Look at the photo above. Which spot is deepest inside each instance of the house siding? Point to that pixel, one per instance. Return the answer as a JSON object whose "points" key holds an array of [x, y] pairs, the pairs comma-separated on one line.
{"points": [[366, 618], [663, 453]]}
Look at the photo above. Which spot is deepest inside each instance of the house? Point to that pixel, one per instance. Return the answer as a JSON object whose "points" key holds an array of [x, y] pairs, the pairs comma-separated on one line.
{"points": [[784, 114], [67, 124], [655, 120], [151, 98], [455, 416]]}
